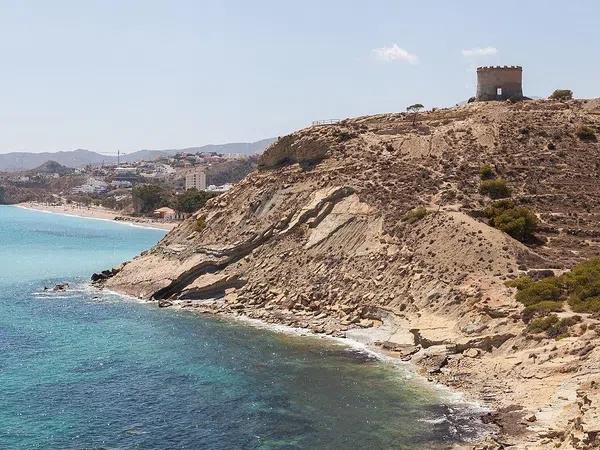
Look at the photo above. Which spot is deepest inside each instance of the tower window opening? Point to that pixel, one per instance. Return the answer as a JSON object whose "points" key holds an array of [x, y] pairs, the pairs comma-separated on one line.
{"points": [[499, 92]]}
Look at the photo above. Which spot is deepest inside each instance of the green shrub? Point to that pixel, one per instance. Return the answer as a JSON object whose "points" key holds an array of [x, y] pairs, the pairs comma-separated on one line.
{"points": [[498, 206], [562, 94], [541, 309], [487, 172], [546, 289], [586, 133], [553, 326], [414, 215], [497, 188], [539, 297], [561, 329], [200, 223], [520, 282], [343, 136], [584, 273], [583, 283], [589, 305], [581, 286], [542, 324], [518, 222]]}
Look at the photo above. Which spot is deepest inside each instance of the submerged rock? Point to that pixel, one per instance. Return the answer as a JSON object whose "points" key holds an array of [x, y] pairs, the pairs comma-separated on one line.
{"points": [[164, 303], [61, 287]]}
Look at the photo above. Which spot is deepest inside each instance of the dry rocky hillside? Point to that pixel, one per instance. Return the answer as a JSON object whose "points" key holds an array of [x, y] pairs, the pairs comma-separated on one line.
{"points": [[374, 228]]}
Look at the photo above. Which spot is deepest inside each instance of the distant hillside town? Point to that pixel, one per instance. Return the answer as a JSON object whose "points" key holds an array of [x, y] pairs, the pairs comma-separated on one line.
{"points": [[167, 187]]}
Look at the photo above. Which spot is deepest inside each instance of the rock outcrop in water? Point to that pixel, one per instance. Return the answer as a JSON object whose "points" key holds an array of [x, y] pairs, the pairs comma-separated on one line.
{"points": [[327, 236]]}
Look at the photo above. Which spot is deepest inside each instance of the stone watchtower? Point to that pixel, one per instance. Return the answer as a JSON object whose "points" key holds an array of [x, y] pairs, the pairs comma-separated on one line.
{"points": [[499, 83]]}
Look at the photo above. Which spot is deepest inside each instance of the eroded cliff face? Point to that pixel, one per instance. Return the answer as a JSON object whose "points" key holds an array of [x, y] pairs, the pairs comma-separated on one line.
{"points": [[320, 238]]}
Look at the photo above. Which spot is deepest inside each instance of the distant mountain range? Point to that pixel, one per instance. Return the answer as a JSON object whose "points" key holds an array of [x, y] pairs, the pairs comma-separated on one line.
{"points": [[18, 161]]}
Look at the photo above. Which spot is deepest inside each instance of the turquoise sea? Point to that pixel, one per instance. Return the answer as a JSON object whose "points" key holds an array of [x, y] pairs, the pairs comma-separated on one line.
{"points": [[85, 369]]}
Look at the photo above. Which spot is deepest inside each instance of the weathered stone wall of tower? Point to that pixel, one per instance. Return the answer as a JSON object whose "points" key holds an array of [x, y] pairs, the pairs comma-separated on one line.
{"points": [[499, 83]]}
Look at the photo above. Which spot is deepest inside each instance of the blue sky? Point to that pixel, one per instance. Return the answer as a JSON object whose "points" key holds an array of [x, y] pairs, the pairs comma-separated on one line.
{"points": [[107, 75]]}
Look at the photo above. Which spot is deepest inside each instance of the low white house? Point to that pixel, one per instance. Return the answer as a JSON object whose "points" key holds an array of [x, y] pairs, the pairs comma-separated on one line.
{"points": [[222, 188]]}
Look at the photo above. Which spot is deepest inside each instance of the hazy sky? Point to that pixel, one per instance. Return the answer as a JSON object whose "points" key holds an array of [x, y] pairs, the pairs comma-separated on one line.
{"points": [[126, 74]]}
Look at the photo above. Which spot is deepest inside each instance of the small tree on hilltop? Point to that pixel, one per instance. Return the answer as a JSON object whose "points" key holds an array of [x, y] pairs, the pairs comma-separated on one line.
{"points": [[562, 94], [414, 109]]}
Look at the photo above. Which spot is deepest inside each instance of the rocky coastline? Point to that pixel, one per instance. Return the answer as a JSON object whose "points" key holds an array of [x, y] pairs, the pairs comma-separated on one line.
{"points": [[383, 335], [465, 410]]}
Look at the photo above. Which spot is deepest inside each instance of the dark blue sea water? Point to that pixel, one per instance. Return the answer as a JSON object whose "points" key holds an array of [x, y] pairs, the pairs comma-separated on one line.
{"points": [[84, 369]]}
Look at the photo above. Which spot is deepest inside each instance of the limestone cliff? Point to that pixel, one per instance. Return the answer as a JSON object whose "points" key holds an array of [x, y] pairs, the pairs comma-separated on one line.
{"points": [[325, 236]]}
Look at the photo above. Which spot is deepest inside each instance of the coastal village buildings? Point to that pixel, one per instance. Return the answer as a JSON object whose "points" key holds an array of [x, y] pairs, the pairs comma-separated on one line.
{"points": [[92, 186], [118, 186]]}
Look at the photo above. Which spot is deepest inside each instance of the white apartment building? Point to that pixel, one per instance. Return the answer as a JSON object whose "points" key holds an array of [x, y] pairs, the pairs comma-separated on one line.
{"points": [[195, 179]]}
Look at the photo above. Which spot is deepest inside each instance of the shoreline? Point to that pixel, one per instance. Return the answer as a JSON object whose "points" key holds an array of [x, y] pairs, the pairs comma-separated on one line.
{"points": [[444, 391], [463, 400], [498, 420], [96, 213]]}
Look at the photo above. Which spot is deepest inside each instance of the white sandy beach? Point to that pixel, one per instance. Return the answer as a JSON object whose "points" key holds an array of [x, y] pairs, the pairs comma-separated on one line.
{"points": [[97, 212]]}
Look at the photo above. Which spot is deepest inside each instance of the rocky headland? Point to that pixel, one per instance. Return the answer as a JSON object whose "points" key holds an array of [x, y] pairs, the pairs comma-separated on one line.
{"points": [[378, 227]]}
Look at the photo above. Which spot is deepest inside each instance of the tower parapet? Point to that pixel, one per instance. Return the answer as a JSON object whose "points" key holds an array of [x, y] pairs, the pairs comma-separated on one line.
{"points": [[499, 83]]}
